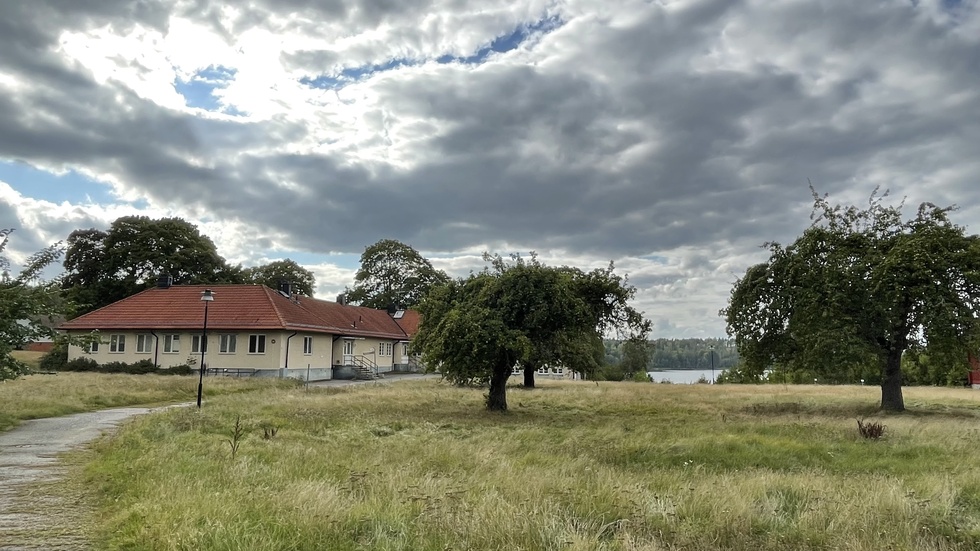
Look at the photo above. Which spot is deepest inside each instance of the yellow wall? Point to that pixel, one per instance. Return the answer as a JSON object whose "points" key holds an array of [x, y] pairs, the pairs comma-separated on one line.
{"points": [[273, 358]]}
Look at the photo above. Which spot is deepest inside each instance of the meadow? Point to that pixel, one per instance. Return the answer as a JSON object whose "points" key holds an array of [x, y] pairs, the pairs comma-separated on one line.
{"points": [[572, 466], [51, 395]]}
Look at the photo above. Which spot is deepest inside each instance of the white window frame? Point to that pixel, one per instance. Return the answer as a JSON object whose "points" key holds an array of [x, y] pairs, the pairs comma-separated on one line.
{"points": [[385, 349], [256, 344], [196, 344], [228, 344], [171, 344], [307, 346], [117, 344], [144, 343], [93, 347]]}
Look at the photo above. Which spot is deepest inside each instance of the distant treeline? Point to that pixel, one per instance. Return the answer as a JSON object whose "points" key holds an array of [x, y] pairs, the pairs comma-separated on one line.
{"points": [[681, 353]]}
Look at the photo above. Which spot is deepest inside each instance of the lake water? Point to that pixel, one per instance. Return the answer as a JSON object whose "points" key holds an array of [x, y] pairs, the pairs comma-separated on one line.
{"points": [[682, 376]]}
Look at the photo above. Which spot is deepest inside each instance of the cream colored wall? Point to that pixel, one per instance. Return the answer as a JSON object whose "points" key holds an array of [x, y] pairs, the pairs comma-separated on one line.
{"points": [[274, 356], [400, 357], [367, 348], [322, 355]]}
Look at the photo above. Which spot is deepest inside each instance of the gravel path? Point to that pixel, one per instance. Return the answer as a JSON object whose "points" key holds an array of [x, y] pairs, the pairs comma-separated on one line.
{"points": [[34, 518], [31, 517]]}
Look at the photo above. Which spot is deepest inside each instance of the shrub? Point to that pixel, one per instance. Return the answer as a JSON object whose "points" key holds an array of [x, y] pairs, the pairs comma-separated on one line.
{"points": [[81, 364], [641, 377], [56, 358], [872, 430], [182, 369]]}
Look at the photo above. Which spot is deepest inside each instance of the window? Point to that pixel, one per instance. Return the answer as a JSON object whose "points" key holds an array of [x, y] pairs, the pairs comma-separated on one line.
{"points": [[307, 345], [348, 347], [404, 350], [171, 344], [144, 344], [93, 348], [117, 343], [384, 349], [196, 344], [227, 344], [256, 344]]}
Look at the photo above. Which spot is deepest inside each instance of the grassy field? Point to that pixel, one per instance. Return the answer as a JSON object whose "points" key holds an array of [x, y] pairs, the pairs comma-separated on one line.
{"points": [[572, 466], [32, 359], [37, 396]]}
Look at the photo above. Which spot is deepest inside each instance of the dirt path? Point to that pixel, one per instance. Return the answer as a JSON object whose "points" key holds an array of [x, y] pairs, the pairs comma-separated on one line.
{"points": [[31, 517]]}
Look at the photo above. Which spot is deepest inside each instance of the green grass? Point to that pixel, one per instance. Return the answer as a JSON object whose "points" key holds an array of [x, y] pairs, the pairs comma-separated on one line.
{"points": [[32, 359], [37, 396], [572, 466]]}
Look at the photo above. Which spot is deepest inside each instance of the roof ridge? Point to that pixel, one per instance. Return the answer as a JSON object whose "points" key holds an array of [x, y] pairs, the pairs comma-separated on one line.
{"points": [[275, 307]]}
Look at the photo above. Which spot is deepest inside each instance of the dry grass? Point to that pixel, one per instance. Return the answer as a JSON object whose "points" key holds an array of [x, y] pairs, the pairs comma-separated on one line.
{"points": [[573, 466], [32, 359], [37, 396]]}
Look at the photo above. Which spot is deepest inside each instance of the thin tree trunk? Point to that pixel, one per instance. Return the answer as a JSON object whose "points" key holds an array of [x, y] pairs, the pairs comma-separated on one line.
{"points": [[891, 381], [497, 397], [529, 370]]}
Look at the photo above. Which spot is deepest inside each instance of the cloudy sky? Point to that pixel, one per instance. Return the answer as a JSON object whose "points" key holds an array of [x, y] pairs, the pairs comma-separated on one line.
{"points": [[673, 137]]}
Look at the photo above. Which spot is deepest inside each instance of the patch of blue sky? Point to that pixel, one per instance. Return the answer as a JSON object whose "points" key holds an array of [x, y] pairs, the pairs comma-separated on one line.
{"points": [[198, 91], [655, 258], [42, 185], [501, 44], [354, 74], [345, 261], [507, 42]]}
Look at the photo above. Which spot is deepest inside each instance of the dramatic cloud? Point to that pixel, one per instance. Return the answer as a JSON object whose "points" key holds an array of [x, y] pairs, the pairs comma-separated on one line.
{"points": [[674, 137]]}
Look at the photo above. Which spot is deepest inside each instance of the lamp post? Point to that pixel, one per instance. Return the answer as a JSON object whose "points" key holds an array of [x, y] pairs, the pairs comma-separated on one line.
{"points": [[712, 352], [207, 296]]}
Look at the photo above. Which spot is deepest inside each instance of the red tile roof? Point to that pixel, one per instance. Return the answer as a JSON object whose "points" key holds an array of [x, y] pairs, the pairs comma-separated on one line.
{"points": [[237, 307], [409, 322]]}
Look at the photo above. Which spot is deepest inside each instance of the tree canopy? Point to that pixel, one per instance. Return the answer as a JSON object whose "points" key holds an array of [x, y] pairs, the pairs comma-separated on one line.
{"points": [[103, 267], [393, 274], [272, 273], [478, 329], [860, 287], [28, 305]]}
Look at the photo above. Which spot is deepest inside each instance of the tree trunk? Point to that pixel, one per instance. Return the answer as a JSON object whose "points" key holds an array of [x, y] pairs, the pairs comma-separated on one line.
{"points": [[891, 381], [529, 375], [497, 397]]}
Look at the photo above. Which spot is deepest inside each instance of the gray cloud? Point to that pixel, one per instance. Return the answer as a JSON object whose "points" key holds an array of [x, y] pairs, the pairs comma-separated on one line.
{"points": [[688, 130]]}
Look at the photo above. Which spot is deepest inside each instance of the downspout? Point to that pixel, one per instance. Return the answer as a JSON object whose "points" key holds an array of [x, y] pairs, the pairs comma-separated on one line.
{"points": [[156, 349], [287, 349]]}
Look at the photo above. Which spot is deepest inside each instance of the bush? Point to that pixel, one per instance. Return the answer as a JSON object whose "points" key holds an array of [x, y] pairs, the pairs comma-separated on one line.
{"points": [[56, 358], [182, 369], [611, 373], [81, 364], [641, 377]]}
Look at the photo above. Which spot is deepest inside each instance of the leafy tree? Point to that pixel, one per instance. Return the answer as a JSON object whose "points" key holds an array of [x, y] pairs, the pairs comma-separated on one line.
{"points": [[860, 287], [476, 330], [26, 303], [393, 273], [272, 273], [103, 267], [636, 356]]}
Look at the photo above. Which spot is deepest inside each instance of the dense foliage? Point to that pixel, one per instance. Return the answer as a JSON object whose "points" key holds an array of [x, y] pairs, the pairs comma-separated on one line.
{"points": [[858, 289], [393, 274], [28, 305], [302, 280], [478, 329]]}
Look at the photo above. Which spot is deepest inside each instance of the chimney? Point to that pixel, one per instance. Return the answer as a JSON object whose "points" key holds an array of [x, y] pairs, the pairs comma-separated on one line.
{"points": [[286, 288], [341, 299], [164, 281], [392, 309]]}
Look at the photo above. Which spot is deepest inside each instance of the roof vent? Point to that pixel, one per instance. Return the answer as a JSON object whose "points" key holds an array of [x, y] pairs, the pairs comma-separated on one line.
{"points": [[165, 281]]}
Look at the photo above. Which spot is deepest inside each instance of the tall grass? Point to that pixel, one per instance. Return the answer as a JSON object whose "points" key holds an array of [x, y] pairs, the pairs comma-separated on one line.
{"points": [[37, 396], [572, 466]]}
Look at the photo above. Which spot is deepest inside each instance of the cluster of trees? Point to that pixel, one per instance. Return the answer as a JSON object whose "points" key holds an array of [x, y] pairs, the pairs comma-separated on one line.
{"points": [[102, 267], [676, 354], [522, 312], [858, 292]]}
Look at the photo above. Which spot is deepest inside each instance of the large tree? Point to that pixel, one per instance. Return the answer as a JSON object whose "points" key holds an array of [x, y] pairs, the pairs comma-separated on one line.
{"points": [[273, 273], [393, 274], [105, 266], [478, 329], [860, 286], [28, 305]]}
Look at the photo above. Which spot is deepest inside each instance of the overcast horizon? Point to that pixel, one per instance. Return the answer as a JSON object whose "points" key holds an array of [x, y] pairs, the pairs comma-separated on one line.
{"points": [[674, 138]]}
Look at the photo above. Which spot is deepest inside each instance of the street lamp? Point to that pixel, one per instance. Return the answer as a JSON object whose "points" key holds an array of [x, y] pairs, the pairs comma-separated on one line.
{"points": [[712, 364], [207, 296]]}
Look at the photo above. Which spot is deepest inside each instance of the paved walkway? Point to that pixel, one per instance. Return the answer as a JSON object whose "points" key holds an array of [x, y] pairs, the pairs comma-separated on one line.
{"points": [[33, 519]]}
